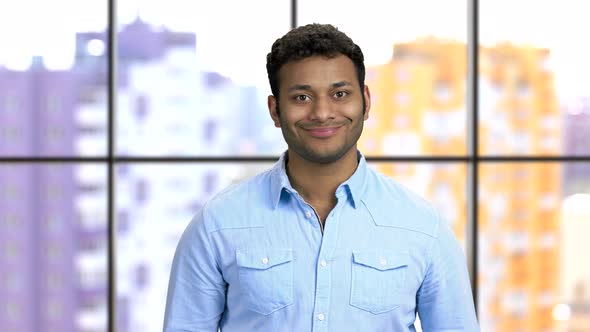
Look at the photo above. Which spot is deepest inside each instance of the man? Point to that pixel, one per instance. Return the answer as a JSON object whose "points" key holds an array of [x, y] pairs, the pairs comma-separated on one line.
{"points": [[320, 242]]}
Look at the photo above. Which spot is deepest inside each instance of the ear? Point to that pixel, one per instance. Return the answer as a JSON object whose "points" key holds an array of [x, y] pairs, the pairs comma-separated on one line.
{"points": [[367, 94], [272, 109]]}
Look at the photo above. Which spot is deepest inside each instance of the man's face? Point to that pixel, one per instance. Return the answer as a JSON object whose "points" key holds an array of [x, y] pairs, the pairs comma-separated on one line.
{"points": [[321, 107]]}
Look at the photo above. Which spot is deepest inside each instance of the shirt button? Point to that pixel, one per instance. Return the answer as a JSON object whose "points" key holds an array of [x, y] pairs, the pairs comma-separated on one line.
{"points": [[321, 317], [382, 261], [265, 260], [307, 214], [323, 263]]}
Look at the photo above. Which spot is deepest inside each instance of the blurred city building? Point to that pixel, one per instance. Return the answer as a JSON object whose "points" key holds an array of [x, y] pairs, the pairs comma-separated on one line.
{"points": [[53, 217], [519, 202], [576, 135]]}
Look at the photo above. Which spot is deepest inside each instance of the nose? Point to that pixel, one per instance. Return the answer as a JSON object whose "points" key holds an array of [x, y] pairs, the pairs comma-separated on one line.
{"points": [[322, 109]]}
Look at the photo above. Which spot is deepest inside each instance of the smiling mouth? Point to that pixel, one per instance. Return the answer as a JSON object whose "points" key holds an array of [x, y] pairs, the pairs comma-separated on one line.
{"points": [[322, 132]]}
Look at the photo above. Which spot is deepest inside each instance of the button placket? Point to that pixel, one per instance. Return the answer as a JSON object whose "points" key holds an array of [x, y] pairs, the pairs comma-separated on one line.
{"points": [[323, 272]]}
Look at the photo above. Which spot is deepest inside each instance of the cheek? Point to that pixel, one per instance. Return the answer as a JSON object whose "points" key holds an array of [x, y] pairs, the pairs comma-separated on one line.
{"points": [[354, 112], [287, 119], [287, 124]]}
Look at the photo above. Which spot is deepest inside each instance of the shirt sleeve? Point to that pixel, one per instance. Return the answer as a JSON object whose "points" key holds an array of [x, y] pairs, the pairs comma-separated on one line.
{"points": [[444, 300], [196, 290]]}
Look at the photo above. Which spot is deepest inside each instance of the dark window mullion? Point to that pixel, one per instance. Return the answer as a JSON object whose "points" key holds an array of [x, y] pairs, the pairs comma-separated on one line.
{"points": [[234, 159], [111, 229], [472, 142], [293, 14]]}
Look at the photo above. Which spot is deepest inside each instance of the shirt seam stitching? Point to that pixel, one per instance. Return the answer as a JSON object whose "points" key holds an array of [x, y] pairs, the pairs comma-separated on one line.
{"points": [[209, 243], [430, 252]]}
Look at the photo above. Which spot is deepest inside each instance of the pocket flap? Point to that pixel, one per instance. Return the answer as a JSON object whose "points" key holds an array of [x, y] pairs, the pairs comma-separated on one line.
{"points": [[263, 259], [381, 259]]}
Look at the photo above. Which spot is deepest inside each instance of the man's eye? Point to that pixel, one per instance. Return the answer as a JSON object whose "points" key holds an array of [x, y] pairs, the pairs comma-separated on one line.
{"points": [[340, 94], [302, 98]]}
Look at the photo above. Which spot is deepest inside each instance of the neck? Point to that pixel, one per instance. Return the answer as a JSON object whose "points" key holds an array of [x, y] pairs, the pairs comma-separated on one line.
{"points": [[317, 183]]}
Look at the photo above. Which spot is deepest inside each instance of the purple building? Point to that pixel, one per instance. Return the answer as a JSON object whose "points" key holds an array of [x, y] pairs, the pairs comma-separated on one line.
{"points": [[39, 236], [42, 235], [19, 288], [576, 138]]}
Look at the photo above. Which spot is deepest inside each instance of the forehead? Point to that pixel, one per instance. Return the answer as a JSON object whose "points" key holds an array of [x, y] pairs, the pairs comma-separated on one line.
{"points": [[318, 71]]}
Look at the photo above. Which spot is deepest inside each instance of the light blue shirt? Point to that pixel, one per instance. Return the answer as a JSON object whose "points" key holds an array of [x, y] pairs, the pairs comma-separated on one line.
{"points": [[255, 259]]}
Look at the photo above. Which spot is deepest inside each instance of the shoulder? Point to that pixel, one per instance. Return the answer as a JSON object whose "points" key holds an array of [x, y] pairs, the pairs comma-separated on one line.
{"points": [[391, 204], [234, 205]]}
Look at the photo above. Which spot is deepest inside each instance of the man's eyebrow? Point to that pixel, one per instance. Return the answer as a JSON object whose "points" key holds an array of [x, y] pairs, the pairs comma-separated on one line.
{"points": [[307, 87], [297, 87], [340, 84]]}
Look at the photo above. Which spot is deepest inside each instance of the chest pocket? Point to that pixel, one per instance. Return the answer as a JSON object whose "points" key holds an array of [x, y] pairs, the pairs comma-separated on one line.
{"points": [[378, 278], [266, 278]]}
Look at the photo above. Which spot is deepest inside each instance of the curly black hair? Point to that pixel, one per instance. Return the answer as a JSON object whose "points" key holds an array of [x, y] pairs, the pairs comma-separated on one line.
{"points": [[309, 40]]}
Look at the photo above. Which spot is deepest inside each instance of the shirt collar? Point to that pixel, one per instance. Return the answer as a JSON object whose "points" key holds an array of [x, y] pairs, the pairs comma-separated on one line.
{"points": [[354, 187], [279, 181], [356, 183]]}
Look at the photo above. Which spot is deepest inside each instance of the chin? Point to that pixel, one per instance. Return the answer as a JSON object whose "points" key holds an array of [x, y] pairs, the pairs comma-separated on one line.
{"points": [[324, 158]]}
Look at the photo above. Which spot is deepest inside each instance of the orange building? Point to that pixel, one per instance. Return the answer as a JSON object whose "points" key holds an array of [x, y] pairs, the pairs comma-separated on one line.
{"points": [[519, 218], [419, 109]]}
